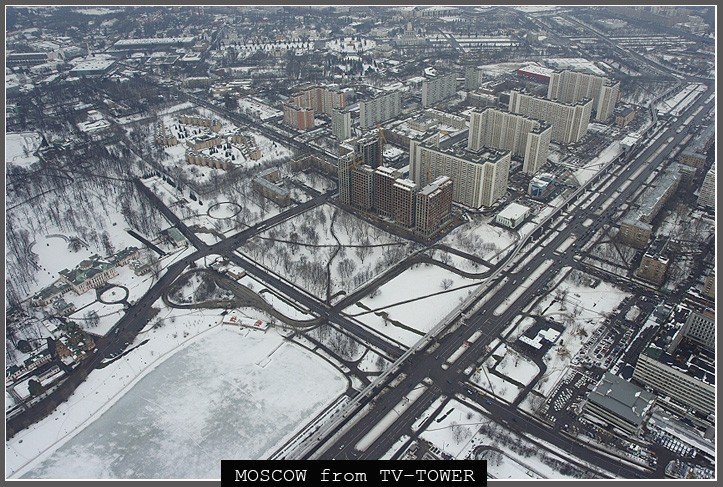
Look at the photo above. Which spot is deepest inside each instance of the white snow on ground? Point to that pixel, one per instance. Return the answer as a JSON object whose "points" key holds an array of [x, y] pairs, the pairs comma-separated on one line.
{"points": [[308, 244], [421, 315], [582, 311], [315, 181], [495, 384], [20, 148], [482, 239], [108, 315], [585, 173], [458, 262], [230, 394], [459, 430], [517, 367]]}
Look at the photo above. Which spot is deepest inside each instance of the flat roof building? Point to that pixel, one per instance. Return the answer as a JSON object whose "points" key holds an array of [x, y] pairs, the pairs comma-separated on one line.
{"points": [[569, 121], [523, 136], [620, 403]]}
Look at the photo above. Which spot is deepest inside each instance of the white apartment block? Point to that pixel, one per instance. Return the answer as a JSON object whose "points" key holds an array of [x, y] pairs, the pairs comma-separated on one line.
{"points": [[379, 109], [479, 178], [523, 136], [706, 197], [572, 86], [341, 124], [569, 121], [437, 89]]}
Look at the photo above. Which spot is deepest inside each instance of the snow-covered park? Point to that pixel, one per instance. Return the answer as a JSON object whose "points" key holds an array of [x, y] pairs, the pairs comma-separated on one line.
{"points": [[300, 249], [464, 433], [482, 239], [406, 323]]}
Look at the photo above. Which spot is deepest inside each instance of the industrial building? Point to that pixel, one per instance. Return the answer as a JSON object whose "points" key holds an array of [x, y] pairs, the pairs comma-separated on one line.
{"points": [[512, 215], [522, 136], [569, 121]]}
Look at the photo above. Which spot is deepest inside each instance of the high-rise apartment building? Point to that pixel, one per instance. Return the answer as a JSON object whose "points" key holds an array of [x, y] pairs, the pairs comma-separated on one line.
{"points": [[521, 135], [362, 187], [346, 163], [341, 124], [437, 89], [321, 99], [370, 149], [569, 121], [298, 117], [384, 179], [706, 197], [434, 206], [573, 86], [479, 177], [404, 193], [379, 109]]}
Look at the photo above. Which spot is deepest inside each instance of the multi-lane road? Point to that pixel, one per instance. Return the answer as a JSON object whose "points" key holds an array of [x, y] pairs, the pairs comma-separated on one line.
{"points": [[599, 206]]}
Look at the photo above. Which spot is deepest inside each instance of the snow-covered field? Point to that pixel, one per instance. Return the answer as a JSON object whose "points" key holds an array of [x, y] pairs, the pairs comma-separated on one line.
{"points": [[421, 315], [230, 394], [20, 148], [482, 239]]}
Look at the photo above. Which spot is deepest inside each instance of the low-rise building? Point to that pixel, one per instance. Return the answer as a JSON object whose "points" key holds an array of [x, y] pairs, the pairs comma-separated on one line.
{"points": [[620, 404], [624, 116], [512, 215], [90, 274], [654, 264], [541, 185], [700, 328], [267, 183]]}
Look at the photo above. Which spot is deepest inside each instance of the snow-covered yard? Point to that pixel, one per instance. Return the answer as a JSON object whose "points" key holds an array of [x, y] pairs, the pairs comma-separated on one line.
{"points": [[581, 303], [232, 393], [20, 148], [406, 323]]}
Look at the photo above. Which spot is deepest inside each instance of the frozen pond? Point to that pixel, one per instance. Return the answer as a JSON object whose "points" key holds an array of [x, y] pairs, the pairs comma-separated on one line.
{"points": [[225, 396]]}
